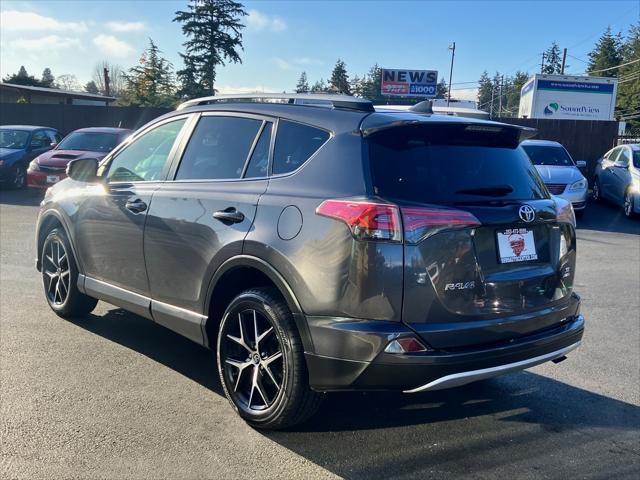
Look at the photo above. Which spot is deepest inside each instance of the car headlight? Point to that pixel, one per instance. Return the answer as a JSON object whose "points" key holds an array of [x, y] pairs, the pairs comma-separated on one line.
{"points": [[33, 166], [579, 185]]}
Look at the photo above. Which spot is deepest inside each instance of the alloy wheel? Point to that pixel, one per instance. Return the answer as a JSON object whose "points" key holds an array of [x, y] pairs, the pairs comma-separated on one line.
{"points": [[56, 272], [252, 361]]}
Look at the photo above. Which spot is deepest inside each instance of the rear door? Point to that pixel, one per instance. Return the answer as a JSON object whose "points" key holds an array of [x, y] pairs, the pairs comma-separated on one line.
{"points": [[201, 217], [607, 176], [620, 174], [482, 240]]}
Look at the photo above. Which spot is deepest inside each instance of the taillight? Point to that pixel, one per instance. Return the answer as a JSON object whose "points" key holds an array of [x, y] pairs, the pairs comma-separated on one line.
{"points": [[367, 220], [420, 223]]}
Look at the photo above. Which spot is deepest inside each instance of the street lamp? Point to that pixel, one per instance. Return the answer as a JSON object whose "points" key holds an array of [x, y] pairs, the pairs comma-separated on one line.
{"points": [[452, 47]]}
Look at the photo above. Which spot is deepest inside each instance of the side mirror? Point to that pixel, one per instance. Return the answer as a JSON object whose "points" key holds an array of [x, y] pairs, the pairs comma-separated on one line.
{"points": [[83, 169], [53, 144], [581, 164]]}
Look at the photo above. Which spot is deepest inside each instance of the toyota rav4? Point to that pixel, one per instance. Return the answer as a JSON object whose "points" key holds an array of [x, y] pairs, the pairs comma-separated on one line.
{"points": [[318, 245]]}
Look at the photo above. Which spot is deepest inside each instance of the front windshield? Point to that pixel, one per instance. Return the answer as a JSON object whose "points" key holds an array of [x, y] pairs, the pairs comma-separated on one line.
{"points": [[89, 141], [547, 155], [13, 139]]}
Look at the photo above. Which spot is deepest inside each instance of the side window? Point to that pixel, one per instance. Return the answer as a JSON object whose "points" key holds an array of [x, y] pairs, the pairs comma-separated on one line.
{"points": [[295, 143], [624, 158], [259, 163], [612, 155], [53, 136], [218, 148], [40, 139], [144, 159]]}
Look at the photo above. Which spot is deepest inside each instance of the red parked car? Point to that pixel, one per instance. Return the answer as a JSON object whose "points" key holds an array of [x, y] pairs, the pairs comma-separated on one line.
{"points": [[95, 142]]}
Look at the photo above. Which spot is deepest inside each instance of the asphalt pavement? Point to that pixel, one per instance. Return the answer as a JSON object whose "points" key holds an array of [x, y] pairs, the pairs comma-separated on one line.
{"points": [[117, 396]]}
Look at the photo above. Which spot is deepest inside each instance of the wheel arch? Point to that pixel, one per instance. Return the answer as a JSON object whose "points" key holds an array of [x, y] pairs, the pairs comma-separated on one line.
{"points": [[50, 219], [240, 273]]}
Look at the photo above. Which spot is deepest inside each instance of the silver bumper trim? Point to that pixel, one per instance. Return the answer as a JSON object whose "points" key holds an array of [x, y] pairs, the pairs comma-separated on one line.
{"points": [[462, 378]]}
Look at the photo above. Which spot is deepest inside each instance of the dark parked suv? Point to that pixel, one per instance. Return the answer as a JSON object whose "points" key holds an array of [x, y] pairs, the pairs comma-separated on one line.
{"points": [[319, 245]]}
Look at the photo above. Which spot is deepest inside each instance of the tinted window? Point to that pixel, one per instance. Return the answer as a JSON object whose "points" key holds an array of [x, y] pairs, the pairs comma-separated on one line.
{"points": [[636, 158], [259, 163], [547, 155], [40, 139], [218, 148], [92, 142], [13, 139], [295, 143], [438, 167], [145, 157]]}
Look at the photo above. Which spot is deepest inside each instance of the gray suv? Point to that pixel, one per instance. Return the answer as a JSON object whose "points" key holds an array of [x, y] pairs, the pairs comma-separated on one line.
{"points": [[317, 245]]}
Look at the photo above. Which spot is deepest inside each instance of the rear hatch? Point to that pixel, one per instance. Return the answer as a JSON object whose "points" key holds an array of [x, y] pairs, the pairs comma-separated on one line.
{"points": [[489, 254]]}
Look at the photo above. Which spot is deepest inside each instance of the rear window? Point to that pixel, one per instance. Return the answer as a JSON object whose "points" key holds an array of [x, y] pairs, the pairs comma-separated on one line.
{"points": [[434, 166], [89, 141], [548, 155], [295, 143]]}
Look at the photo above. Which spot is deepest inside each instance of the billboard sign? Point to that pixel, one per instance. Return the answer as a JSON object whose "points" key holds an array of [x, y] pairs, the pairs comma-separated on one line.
{"points": [[409, 83]]}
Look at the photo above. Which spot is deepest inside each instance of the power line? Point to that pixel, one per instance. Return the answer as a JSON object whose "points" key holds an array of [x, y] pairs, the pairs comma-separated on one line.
{"points": [[614, 67]]}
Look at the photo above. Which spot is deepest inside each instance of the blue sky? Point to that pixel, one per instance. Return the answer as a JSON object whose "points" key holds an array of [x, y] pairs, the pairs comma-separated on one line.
{"points": [[283, 38]]}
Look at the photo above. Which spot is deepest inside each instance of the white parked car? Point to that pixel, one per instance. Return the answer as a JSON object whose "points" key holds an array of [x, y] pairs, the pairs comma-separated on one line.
{"points": [[558, 171]]}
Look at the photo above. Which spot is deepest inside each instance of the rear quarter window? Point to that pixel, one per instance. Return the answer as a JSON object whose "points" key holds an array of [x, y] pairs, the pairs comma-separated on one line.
{"points": [[295, 143]]}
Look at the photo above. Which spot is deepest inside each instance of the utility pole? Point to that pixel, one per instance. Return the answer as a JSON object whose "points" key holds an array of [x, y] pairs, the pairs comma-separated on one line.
{"points": [[564, 59], [493, 91], [500, 98], [107, 90], [452, 47], [542, 64]]}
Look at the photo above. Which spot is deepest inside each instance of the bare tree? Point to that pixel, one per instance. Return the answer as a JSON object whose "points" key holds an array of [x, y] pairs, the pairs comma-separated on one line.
{"points": [[116, 78], [68, 82]]}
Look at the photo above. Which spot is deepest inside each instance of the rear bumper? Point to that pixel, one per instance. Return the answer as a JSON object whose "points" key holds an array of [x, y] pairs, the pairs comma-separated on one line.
{"points": [[349, 355]]}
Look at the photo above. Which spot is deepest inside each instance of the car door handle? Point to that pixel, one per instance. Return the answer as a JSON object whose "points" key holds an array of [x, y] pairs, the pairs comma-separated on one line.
{"points": [[136, 206], [229, 215]]}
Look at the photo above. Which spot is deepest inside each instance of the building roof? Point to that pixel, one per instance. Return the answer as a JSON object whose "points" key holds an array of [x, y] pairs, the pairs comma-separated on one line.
{"points": [[57, 92]]}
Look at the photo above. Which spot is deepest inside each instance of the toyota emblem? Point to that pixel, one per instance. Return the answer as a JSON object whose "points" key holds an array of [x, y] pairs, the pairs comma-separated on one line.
{"points": [[527, 213]]}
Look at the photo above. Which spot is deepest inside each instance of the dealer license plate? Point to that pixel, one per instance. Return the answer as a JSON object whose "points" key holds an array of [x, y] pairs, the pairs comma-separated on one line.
{"points": [[53, 178], [516, 245]]}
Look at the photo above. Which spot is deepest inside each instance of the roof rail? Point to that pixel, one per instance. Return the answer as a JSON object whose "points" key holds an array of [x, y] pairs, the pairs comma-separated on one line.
{"points": [[346, 102]]}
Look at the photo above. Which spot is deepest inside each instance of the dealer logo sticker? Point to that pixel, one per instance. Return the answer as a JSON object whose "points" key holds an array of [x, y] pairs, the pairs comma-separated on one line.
{"points": [[551, 108]]}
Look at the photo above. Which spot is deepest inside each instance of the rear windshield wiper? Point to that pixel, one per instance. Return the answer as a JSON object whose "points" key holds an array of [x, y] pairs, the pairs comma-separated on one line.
{"points": [[490, 191]]}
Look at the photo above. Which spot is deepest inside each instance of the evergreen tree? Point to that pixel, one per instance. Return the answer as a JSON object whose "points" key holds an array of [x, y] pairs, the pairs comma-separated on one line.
{"points": [[512, 93], [607, 53], [151, 82], [213, 31], [441, 89], [303, 85], [319, 87], [552, 60], [356, 85], [628, 102], [48, 80], [372, 84], [22, 78], [91, 87], [339, 78], [485, 91]]}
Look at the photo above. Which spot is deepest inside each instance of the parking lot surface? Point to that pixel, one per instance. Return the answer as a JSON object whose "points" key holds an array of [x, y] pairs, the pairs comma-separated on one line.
{"points": [[117, 396]]}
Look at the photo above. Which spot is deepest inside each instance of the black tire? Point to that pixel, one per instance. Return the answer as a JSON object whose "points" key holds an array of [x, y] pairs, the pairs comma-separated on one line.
{"points": [[60, 278], [283, 397], [596, 191], [628, 205], [18, 177]]}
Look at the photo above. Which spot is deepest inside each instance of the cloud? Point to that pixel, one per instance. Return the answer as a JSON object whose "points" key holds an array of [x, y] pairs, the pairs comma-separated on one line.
{"points": [[47, 43], [282, 64], [307, 61], [119, 26], [296, 62], [17, 21], [261, 22], [112, 46]]}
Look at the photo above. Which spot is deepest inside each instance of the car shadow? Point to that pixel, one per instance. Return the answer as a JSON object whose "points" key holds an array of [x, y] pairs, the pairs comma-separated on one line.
{"points": [[27, 197], [607, 217], [523, 424]]}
